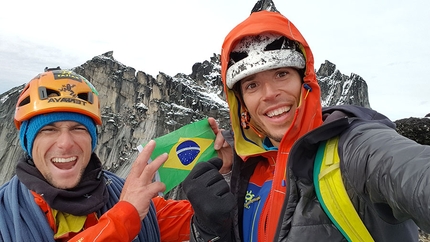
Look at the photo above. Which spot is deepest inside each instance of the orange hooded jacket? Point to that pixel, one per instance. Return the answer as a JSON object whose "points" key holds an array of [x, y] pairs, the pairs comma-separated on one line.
{"points": [[307, 117], [122, 222]]}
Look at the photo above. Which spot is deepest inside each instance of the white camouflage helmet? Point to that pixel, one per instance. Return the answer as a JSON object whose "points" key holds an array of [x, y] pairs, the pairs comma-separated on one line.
{"points": [[263, 52]]}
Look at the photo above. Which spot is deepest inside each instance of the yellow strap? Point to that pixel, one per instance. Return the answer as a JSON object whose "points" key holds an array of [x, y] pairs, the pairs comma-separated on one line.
{"points": [[336, 198]]}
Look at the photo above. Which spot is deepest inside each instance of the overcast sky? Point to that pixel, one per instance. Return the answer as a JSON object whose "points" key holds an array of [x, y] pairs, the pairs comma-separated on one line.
{"points": [[385, 42]]}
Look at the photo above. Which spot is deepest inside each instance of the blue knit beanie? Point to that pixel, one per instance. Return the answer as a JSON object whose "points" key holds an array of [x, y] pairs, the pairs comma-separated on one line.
{"points": [[30, 128]]}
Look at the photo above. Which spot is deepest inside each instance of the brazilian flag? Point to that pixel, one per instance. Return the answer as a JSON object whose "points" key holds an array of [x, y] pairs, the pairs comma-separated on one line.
{"points": [[186, 146]]}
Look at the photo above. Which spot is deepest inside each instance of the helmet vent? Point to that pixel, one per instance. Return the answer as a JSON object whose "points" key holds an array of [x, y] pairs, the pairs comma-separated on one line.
{"points": [[236, 57], [44, 93], [277, 44], [87, 97], [25, 101]]}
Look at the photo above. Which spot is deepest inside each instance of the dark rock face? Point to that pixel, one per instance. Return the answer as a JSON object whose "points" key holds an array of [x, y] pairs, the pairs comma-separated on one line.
{"points": [[337, 88], [417, 129], [10, 149]]}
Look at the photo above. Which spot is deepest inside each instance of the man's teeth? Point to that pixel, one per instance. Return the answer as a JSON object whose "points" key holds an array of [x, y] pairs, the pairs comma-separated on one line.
{"points": [[64, 160], [278, 111]]}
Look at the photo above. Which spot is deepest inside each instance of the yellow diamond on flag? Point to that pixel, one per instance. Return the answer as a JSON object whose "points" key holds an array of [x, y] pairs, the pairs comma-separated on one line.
{"points": [[186, 152]]}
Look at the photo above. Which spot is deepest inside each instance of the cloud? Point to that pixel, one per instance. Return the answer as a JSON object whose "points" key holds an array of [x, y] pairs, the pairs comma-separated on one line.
{"points": [[385, 42]]}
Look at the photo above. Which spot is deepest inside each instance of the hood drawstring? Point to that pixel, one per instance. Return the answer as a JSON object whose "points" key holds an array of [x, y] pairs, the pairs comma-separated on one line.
{"points": [[308, 88]]}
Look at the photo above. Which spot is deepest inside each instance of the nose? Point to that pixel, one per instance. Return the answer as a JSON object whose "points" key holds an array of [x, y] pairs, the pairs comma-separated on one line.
{"points": [[65, 140], [270, 90]]}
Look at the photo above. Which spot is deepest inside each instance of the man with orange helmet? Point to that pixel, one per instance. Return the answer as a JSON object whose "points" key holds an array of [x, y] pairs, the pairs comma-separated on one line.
{"points": [[60, 191], [279, 128]]}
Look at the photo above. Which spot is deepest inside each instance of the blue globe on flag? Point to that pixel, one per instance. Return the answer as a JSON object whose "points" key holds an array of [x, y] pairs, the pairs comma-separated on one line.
{"points": [[187, 151]]}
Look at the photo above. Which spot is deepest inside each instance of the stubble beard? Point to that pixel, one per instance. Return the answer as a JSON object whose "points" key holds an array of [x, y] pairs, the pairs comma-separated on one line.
{"points": [[49, 178], [268, 134]]}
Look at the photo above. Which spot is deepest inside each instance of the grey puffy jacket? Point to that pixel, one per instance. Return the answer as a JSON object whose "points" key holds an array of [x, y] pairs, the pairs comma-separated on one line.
{"points": [[387, 177]]}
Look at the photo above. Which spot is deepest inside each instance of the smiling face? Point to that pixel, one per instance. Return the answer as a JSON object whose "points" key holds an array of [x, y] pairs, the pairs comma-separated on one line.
{"points": [[271, 98], [61, 152]]}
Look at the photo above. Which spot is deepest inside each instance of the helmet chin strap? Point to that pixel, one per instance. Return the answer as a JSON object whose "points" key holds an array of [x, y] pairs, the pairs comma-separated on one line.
{"points": [[245, 123], [255, 130]]}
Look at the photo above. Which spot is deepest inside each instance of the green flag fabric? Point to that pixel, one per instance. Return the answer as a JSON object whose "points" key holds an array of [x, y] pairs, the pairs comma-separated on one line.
{"points": [[186, 146]]}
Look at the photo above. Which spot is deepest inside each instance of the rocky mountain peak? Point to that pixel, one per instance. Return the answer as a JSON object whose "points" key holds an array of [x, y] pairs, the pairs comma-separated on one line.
{"points": [[137, 107]]}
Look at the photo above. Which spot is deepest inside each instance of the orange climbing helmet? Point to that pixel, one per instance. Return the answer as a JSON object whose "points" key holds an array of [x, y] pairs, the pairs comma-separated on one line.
{"points": [[57, 90]]}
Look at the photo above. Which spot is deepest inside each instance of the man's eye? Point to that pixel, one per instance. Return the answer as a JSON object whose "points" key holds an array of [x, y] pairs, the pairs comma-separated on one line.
{"points": [[251, 85], [47, 130], [282, 74], [80, 128]]}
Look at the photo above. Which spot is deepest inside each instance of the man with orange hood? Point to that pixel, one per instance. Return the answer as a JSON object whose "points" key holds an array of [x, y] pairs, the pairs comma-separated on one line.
{"points": [[278, 123]]}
